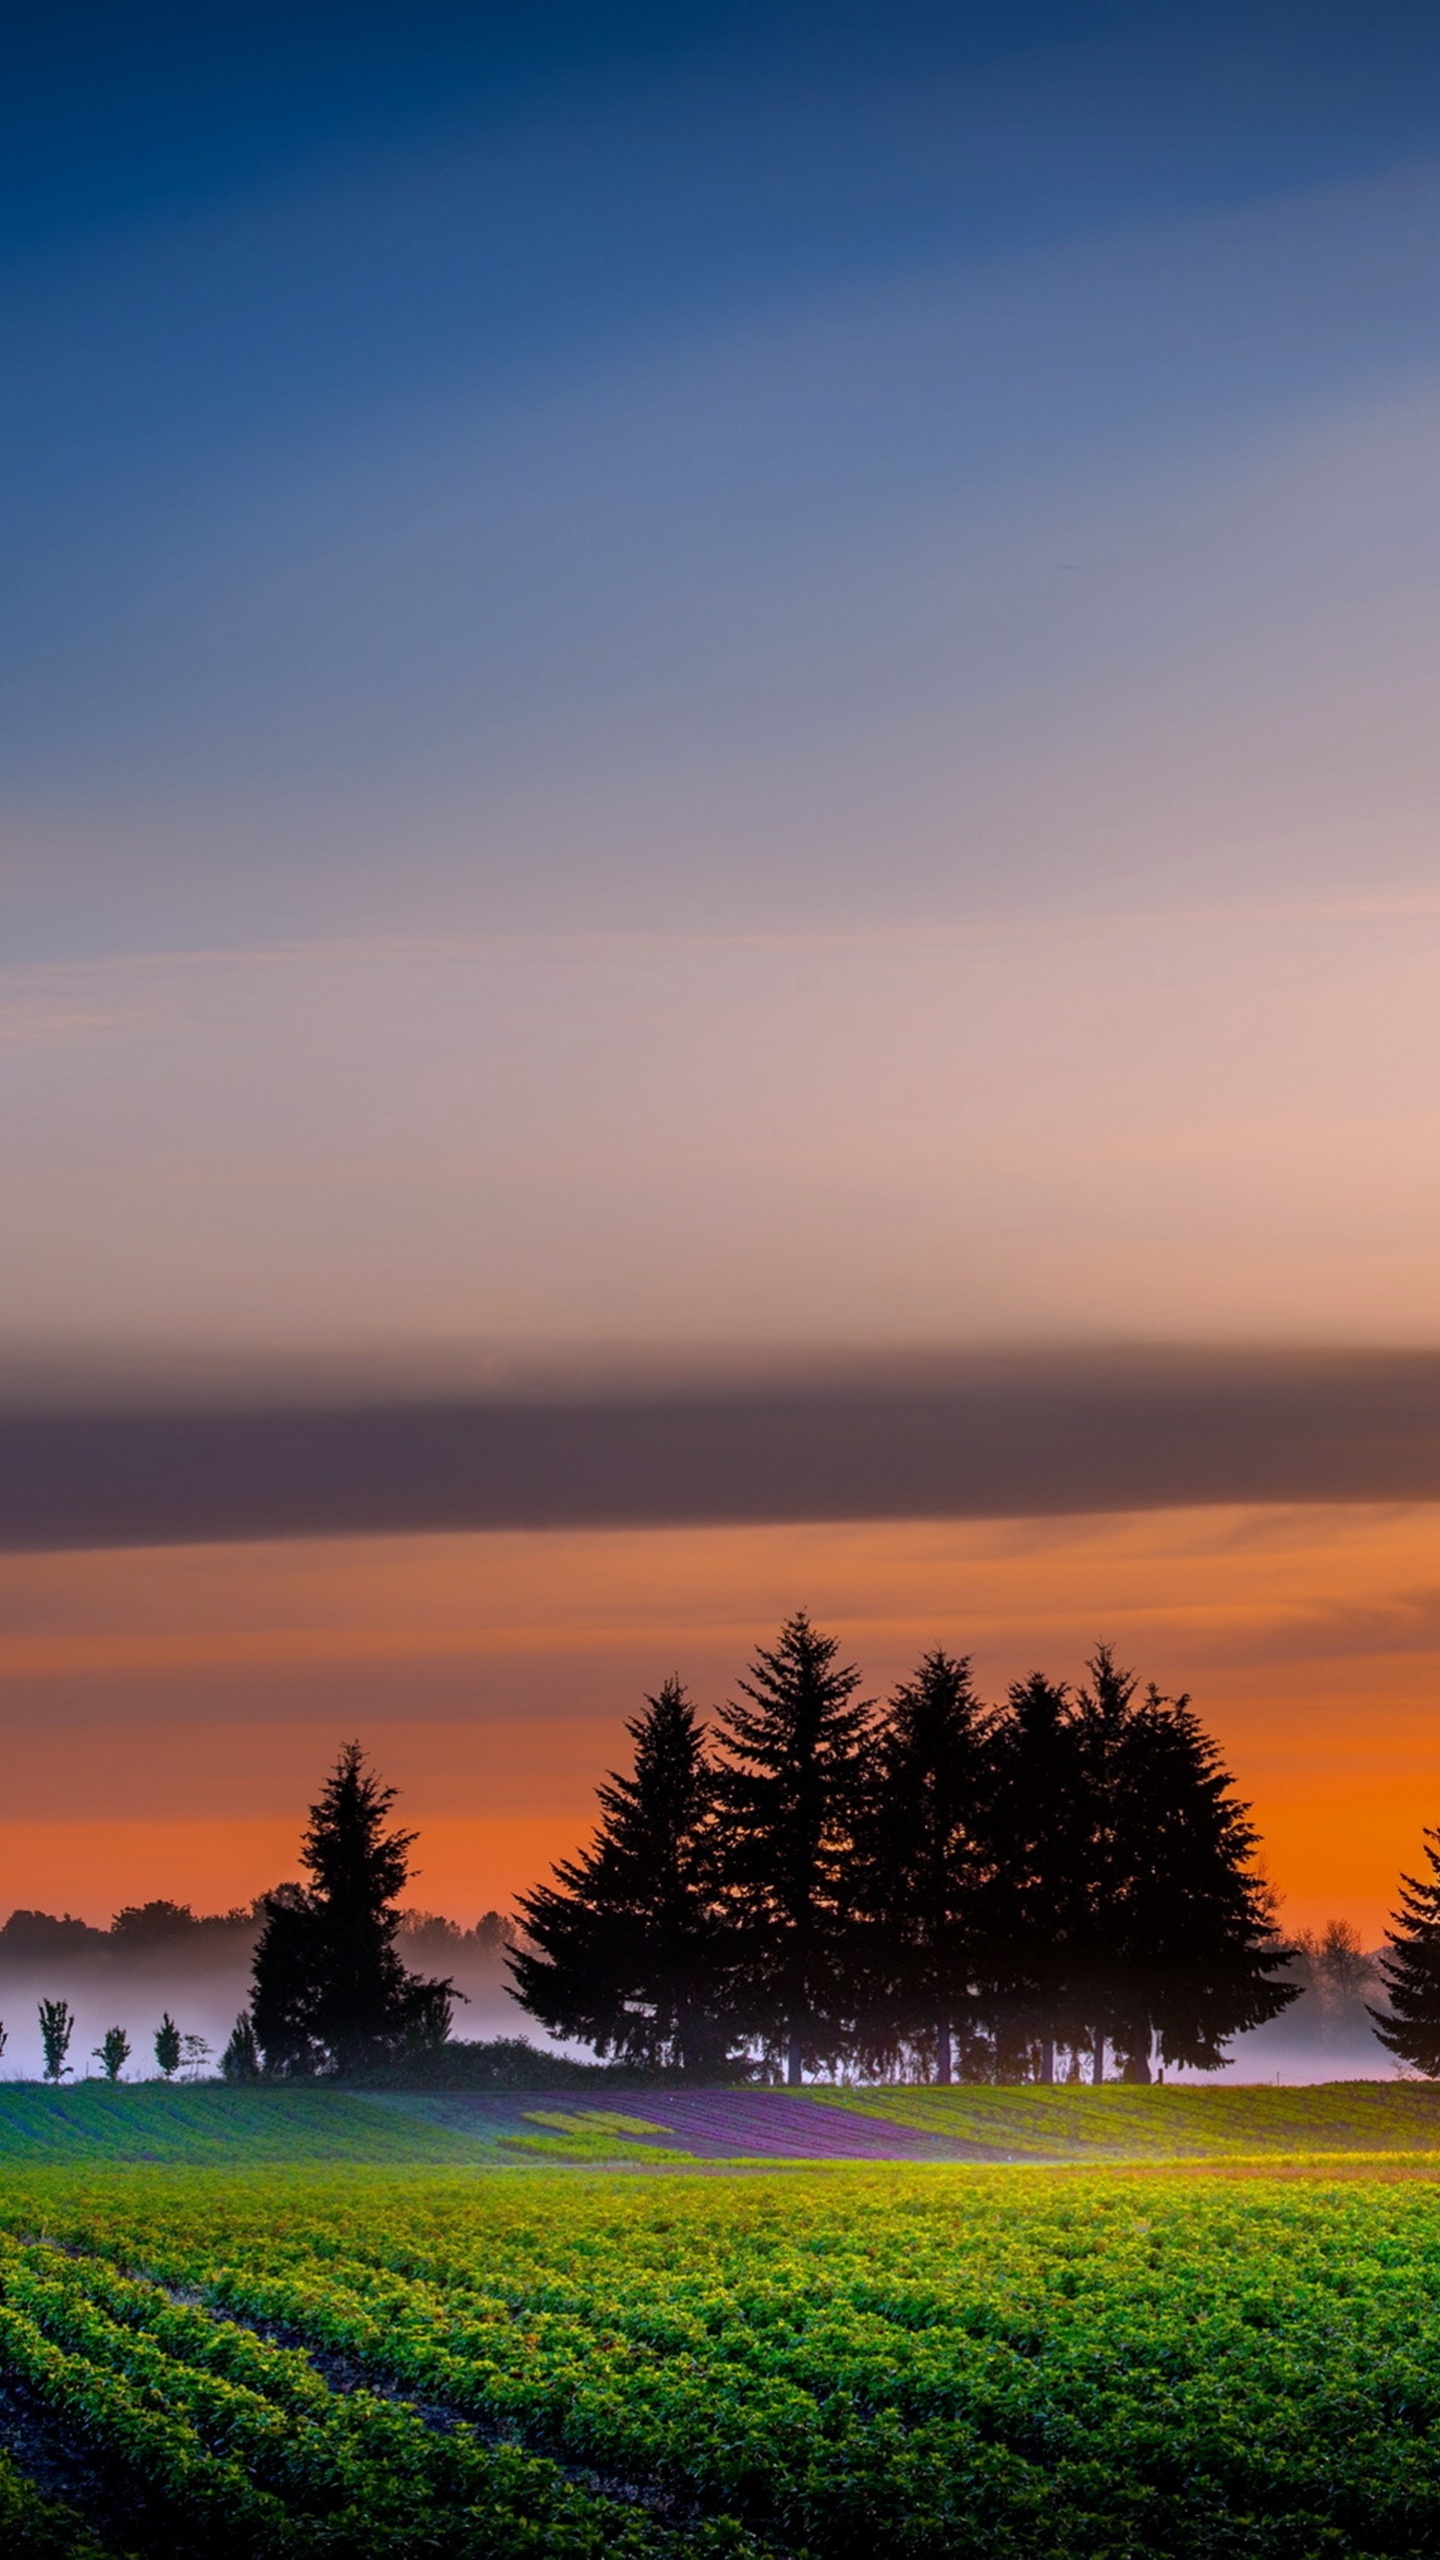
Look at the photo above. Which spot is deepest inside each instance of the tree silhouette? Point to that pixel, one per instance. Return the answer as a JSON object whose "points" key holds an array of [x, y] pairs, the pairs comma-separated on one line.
{"points": [[241, 2057], [113, 2052], [1182, 1948], [57, 2026], [622, 1948], [330, 1991], [1410, 1968], [1036, 1905], [168, 2046], [790, 1790], [925, 1854]]}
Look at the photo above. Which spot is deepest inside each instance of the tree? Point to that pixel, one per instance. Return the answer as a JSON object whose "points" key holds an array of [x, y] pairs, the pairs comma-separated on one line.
{"points": [[113, 2052], [1410, 1968], [330, 1991], [168, 2046], [789, 1791], [241, 2057], [622, 1946], [1183, 1947], [57, 2026], [1035, 1906], [924, 1855]]}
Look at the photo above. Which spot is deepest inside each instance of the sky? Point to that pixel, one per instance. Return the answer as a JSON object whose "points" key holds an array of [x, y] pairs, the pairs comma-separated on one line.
{"points": [[741, 695]]}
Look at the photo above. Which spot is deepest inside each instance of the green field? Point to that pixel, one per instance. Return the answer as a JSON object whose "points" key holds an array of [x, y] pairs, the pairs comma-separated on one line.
{"points": [[217, 2125], [1165, 2123], [210, 2124], [943, 2362]]}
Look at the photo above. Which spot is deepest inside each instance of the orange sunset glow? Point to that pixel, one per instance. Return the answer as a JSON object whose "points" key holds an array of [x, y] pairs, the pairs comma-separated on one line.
{"points": [[182, 1703]]}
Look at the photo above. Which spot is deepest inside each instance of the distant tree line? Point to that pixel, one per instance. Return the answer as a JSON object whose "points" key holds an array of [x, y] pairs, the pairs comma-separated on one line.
{"points": [[934, 1887]]}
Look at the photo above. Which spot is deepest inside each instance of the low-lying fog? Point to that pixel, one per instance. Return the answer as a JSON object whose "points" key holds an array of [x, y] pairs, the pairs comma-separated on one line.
{"points": [[160, 1958]]}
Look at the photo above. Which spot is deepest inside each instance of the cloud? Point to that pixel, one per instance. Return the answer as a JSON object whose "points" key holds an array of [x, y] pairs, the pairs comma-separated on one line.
{"points": [[1042, 1434]]}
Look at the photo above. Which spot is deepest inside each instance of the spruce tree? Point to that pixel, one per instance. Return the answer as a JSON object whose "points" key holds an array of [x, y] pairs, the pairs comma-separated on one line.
{"points": [[1410, 1968], [622, 1948], [330, 1991], [1036, 1899], [790, 1790], [1191, 1946], [923, 1865]]}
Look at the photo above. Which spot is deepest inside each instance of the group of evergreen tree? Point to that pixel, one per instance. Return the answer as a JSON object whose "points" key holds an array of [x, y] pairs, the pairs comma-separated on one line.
{"points": [[934, 1887]]}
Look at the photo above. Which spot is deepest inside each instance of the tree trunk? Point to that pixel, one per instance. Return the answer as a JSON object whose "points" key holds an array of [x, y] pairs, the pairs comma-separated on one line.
{"points": [[794, 2061], [1098, 2067], [1047, 2061], [942, 2054]]}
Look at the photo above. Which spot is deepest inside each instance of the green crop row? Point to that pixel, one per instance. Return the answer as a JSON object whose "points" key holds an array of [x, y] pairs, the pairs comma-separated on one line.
{"points": [[223, 2443], [954, 2363], [36, 2528]]}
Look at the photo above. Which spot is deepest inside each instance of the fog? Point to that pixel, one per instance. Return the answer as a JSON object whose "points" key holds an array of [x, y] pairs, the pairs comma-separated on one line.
{"points": [[160, 1959], [198, 1971]]}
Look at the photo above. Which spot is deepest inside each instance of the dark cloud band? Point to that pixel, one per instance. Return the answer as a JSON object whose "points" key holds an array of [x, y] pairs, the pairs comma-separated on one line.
{"points": [[1045, 1434]]}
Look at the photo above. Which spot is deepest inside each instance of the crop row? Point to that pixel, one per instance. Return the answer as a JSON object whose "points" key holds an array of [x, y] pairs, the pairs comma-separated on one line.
{"points": [[33, 2527], [220, 2441], [958, 2364]]}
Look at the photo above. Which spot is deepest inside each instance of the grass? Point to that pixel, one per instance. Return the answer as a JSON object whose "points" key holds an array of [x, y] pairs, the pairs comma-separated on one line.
{"points": [[1165, 2123], [210, 2124]]}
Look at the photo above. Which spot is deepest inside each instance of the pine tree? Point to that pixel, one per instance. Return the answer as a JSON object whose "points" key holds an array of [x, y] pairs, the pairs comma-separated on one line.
{"points": [[1104, 1714], [167, 2046], [622, 1945], [790, 1791], [1191, 1943], [330, 1991], [1410, 1968], [924, 1857], [1035, 1904], [241, 2057]]}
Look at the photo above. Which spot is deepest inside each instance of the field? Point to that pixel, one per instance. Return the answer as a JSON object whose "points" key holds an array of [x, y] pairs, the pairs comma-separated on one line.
{"points": [[294, 2126], [946, 2361]]}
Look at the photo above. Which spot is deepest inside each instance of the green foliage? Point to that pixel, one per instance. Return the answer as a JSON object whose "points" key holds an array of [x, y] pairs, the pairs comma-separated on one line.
{"points": [[113, 2052], [168, 2046], [944, 2364], [57, 2026], [33, 2527]]}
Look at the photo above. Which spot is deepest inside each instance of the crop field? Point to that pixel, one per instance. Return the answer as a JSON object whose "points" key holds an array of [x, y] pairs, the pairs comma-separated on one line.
{"points": [[940, 2362], [294, 2125]]}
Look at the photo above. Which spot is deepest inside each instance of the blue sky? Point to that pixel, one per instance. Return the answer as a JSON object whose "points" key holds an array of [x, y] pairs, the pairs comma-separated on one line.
{"points": [[649, 664], [478, 468]]}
